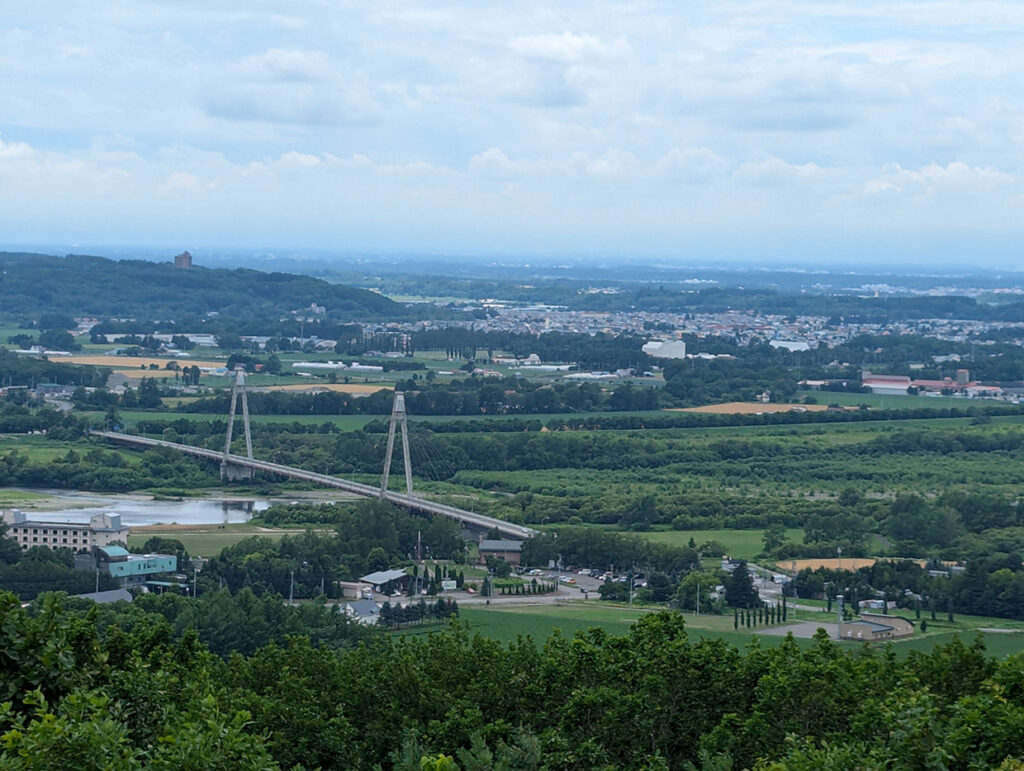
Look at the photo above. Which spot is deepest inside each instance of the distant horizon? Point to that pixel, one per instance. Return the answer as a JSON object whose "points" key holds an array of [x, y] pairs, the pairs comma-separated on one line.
{"points": [[266, 256]]}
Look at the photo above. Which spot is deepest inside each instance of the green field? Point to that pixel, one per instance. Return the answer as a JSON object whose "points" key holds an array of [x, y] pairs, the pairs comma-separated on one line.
{"points": [[885, 401], [539, 621], [209, 540], [39, 449], [742, 544]]}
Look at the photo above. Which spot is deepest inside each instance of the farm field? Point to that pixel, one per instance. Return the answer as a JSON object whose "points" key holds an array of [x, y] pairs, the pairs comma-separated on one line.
{"points": [[741, 544], [888, 401], [751, 408], [127, 362], [344, 388]]}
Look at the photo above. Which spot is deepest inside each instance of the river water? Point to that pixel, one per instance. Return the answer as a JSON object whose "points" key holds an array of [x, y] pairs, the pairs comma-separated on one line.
{"points": [[134, 512]]}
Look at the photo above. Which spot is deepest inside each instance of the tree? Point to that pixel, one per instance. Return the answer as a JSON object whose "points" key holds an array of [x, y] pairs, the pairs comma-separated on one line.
{"points": [[660, 587], [686, 594], [58, 340], [773, 538], [149, 394], [10, 552], [739, 588], [377, 559], [613, 592]]}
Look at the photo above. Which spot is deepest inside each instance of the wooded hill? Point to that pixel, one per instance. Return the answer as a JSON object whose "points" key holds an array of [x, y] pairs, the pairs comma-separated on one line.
{"points": [[95, 286]]}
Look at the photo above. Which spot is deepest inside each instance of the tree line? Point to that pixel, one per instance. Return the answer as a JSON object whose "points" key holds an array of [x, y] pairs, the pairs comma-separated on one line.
{"points": [[124, 684]]}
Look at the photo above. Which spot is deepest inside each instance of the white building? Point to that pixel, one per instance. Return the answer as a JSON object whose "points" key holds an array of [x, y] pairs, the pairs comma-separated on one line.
{"points": [[665, 349], [102, 530], [790, 345]]}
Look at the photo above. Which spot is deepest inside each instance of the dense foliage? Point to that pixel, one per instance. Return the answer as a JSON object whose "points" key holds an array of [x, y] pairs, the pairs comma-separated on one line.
{"points": [[81, 286], [117, 683], [367, 537]]}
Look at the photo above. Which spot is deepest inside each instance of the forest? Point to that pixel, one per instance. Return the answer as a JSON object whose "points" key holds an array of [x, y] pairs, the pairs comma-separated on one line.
{"points": [[81, 286], [136, 686]]}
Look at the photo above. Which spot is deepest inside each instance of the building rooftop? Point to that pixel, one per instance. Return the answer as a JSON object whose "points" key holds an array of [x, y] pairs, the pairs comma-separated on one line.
{"points": [[507, 546], [364, 608], [383, 576], [872, 625], [111, 595]]}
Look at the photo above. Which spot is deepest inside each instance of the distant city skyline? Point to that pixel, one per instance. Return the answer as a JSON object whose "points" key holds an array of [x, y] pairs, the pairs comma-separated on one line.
{"points": [[785, 133]]}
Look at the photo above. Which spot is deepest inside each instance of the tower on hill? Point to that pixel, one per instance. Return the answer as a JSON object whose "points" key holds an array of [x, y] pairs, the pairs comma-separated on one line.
{"points": [[183, 260]]}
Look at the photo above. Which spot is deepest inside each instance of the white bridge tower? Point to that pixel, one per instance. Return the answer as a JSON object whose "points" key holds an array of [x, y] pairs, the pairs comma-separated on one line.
{"points": [[397, 416], [228, 470]]}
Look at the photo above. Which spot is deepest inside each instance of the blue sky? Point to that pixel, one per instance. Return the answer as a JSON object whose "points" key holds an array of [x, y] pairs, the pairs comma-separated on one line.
{"points": [[783, 131]]}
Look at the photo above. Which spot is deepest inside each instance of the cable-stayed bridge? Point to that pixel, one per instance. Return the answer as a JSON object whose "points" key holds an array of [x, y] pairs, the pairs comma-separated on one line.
{"points": [[235, 466]]}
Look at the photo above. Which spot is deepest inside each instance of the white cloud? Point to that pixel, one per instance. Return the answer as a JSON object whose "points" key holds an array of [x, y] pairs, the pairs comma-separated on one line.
{"points": [[568, 47], [693, 164], [956, 177]]}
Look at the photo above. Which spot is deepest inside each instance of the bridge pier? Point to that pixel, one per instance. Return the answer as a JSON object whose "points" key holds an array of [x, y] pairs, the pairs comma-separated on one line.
{"points": [[229, 472]]}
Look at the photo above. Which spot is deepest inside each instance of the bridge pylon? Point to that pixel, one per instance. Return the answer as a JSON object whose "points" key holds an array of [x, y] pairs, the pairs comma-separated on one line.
{"points": [[397, 417], [228, 470]]}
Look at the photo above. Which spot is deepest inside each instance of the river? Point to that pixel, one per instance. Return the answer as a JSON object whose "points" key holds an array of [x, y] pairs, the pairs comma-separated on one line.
{"points": [[79, 507]]}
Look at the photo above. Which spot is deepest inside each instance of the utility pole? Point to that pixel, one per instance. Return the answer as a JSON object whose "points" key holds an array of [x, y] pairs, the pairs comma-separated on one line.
{"points": [[698, 597], [291, 588], [629, 582], [839, 616], [195, 584]]}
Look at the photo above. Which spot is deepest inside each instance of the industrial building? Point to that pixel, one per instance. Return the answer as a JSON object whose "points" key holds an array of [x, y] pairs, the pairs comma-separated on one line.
{"points": [[131, 569], [102, 530]]}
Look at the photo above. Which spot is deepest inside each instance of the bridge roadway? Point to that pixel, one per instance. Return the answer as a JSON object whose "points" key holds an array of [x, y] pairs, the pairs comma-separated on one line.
{"points": [[413, 502]]}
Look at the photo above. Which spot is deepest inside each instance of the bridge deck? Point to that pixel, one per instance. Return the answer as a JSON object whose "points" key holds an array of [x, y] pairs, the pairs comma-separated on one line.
{"points": [[414, 502]]}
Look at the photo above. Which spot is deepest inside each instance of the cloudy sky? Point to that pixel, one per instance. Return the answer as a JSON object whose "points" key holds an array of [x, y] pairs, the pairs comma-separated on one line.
{"points": [[783, 131]]}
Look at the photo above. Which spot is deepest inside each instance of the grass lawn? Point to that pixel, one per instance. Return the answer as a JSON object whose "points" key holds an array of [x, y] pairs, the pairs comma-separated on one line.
{"points": [[39, 449], [15, 498], [208, 540], [539, 621], [742, 544], [506, 623]]}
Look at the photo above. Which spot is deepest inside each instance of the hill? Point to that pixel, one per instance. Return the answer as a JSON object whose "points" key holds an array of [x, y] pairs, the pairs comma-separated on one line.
{"points": [[95, 286]]}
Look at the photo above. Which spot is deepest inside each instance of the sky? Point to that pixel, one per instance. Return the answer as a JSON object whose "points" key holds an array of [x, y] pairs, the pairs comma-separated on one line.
{"points": [[782, 132]]}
